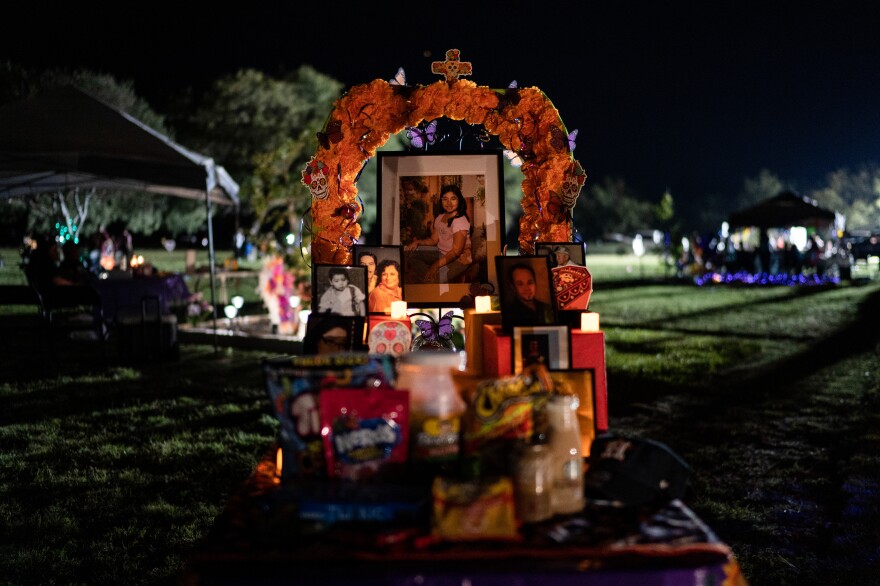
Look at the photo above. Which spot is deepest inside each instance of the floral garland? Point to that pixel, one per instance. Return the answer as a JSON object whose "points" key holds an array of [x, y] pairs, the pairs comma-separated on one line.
{"points": [[524, 120]]}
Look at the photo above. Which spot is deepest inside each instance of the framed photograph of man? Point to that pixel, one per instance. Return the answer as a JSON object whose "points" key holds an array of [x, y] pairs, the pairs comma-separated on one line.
{"points": [[339, 290], [384, 275], [446, 211], [548, 345], [329, 333], [526, 291], [572, 282], [580, 382], [563, 254]]}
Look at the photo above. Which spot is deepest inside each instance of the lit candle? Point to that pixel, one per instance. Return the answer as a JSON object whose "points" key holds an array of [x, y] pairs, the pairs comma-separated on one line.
{"points": [[590, 321], [279, 461], [483, 303], [398, 310]]}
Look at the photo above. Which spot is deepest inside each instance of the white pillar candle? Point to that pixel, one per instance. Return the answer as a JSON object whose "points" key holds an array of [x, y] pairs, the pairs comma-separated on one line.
{"points": [[590, 321], [398, 310], [483, 303]]}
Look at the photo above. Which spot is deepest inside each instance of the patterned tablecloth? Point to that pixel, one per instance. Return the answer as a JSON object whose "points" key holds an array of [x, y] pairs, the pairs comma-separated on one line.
{"points": [[260, 538]]}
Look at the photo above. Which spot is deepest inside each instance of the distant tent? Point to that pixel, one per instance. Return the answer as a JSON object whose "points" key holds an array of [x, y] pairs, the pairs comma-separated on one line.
{"points": [[782, 211], [69, 138]]}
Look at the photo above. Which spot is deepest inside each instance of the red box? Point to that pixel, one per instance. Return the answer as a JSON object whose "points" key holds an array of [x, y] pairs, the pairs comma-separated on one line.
{"points": [[587, 351]]}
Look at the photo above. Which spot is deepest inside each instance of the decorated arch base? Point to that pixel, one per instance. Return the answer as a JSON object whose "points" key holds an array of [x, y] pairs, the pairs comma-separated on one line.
{"points": [[524, 120]]}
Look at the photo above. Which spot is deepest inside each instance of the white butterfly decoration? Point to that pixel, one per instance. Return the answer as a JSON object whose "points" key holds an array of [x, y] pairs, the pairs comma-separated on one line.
{"points": [[399, 78], [513, 157]]}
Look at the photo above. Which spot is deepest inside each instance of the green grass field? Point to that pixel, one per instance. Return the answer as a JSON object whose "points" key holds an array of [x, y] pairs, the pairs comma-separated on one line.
{"points": [[111, 473]]}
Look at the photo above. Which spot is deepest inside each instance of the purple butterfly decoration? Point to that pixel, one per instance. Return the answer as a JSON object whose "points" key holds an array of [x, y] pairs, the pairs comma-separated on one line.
{"points": [[433, 330], [420, 138]]}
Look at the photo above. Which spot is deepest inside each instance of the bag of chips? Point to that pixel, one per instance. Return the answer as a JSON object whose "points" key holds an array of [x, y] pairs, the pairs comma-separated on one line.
{"points": [[364, 431], [472, 510]]}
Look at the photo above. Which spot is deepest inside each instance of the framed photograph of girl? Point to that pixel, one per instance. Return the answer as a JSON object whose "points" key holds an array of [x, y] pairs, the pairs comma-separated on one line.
{"points": [[339, 290], [445, 211], [384, 275]]}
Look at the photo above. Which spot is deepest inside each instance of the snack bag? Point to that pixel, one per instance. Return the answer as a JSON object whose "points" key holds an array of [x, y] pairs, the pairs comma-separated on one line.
{"points": [[294, 385], [471, 510], [506, 408], [363, 431]]}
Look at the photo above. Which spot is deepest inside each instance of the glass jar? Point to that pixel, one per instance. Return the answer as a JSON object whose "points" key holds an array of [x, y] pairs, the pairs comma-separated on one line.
{"points": [[532, 483], [567, 467]]}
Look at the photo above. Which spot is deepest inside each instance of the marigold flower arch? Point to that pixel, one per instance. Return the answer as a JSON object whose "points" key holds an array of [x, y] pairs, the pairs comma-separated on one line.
{"points": [[524, 120]]}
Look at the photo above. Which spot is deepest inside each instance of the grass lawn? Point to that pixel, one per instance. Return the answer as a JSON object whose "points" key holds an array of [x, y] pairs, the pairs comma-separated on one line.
{"points": [[111, 473]]}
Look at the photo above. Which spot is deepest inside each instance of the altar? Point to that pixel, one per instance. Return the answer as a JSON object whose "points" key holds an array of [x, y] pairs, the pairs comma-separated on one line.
{"points": [[400, 459]]}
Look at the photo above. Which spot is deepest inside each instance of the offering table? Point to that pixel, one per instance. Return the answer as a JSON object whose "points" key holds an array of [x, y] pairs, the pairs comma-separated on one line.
{"points": [[258, 540]]}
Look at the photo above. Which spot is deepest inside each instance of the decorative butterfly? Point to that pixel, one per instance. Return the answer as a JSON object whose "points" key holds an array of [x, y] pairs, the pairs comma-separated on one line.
{"points": [[333, 134], [510, 97], [556, 209], [441, 329], [514, 158], [399, 78], [527, 151], [560, 142], [348, 211], [420, 138]]}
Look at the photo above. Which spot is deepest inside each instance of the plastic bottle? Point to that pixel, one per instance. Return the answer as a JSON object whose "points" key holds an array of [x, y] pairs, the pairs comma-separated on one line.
{"points": [[567, 495], [435, 408]]}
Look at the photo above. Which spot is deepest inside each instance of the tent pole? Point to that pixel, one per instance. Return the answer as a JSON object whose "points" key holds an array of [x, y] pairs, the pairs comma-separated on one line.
{"points": [[211, 263]]}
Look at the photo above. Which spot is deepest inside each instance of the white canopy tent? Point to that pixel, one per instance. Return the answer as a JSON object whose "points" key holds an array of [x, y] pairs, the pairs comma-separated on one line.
{"points": [[69, 138]]}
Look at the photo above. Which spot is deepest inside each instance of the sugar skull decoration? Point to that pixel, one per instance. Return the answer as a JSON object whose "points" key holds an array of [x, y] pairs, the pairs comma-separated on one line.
{"points": [[574, 180], [315, 176]]}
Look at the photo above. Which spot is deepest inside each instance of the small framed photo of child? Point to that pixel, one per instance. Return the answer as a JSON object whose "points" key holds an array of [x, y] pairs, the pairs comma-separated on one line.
{"points": [[339, 290], [384, 275]]}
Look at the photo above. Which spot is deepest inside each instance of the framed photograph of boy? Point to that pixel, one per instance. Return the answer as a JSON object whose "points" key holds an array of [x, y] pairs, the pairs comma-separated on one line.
{"points": [[384, 275], [572, 282], [339, 290], [445, 210], [547, 345], [526, 291], [580, 382], [563, 254], [328, 333]]}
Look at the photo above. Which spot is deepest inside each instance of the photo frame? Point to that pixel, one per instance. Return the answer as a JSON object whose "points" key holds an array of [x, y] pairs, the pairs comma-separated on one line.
{"points": [[327, 333], [572, 281], [576, 251], [410, 212], [549, 345], [348, 300], [526, 291], [582, 383], [377, 260]]}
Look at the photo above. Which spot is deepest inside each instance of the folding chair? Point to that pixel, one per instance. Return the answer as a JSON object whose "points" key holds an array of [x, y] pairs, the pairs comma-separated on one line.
{"points": [[75, 314], [22, 315]]}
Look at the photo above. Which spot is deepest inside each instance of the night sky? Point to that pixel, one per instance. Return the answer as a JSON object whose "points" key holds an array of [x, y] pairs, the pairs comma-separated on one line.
{"points": [[689, 96]]}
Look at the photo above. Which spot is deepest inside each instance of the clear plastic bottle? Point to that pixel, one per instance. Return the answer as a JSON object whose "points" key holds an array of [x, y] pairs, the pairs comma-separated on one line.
{"points": [[567, 495], [435, 407]]}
